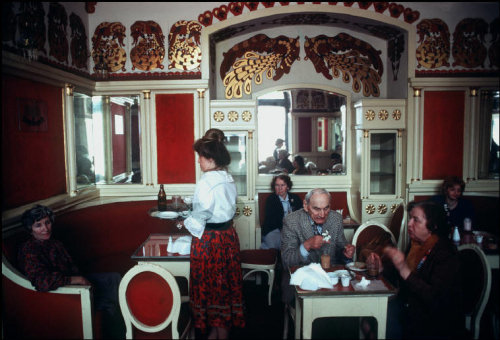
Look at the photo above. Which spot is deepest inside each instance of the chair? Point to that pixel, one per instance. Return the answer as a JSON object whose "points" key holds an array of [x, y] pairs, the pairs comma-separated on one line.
{"points": [[476, 280], [150, 301], [398, 227], [371, 234], [260, 260]]}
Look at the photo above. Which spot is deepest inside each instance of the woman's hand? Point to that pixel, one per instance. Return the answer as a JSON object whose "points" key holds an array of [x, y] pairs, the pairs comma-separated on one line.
{"points": [[398, 259], [80, 280], [374, 258]]}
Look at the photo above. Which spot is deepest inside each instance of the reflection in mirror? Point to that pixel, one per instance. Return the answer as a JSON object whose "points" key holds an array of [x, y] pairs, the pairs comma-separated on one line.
{"points": [[489, 153], [301, 132], [116, 124], [84, 146]]}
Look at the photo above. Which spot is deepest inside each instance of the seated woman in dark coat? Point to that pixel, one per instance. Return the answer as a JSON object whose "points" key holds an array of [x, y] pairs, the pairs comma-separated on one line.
{"points": [[48, 266], [278, 205], [429, 303], [456, 207]]}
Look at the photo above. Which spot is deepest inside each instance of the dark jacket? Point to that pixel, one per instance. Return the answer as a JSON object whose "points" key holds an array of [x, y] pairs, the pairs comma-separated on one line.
{"points": [[433, 296], [274, 211]]}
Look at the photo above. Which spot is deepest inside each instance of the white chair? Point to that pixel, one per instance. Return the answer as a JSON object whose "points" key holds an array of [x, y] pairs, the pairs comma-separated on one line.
{"points": [[476, 280], [260, 260], [150, 301], [398, 227], [366, 233], [289, 313]]}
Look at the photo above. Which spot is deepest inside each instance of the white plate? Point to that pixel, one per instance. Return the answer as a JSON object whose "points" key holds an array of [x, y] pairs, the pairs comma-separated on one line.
{"points": [[354, 266], [167, 214], [338, 273]]}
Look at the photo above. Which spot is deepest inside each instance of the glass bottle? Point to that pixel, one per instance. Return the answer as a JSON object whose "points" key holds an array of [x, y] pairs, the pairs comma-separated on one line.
{"points": [[162, 199], [456, 235]]}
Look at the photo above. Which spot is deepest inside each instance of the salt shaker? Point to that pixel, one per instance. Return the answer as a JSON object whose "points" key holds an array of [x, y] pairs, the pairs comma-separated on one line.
{"points": [[456, 235], [467, 224]]}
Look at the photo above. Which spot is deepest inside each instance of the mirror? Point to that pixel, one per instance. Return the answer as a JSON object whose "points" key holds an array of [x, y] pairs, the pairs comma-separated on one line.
{"points": [[489, 153], [301, 132], [117, 155], [84, 141]]}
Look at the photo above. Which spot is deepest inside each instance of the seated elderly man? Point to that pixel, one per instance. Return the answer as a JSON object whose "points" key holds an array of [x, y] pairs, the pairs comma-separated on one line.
{"points": [[48, 266], [302, 242]]}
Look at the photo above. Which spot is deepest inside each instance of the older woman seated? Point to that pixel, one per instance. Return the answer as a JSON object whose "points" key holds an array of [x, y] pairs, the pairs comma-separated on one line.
{"points": [[48, 266], [429, 303]]}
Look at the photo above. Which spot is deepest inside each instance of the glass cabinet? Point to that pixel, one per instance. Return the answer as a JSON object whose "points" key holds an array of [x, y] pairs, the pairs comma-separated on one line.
{"points": [[237, 147], [382, 163], [379, 136]]}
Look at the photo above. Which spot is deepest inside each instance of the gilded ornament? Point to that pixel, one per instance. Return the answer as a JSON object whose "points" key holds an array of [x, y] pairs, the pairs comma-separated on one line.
{"points": [[247, 211], [149, 47], [349, 58], [218, 116], [370, 209], [383, 115], [396, 114], [232, 116], [370, 115], [254, 59], [382, 209], [184, 52], [394, 207], [237, 212], [246, 116]]}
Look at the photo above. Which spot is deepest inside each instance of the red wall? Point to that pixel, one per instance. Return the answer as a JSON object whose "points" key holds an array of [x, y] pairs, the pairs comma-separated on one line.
{"points": [[118, 141], [305, 144], [175, 138], [33, 162], [443, 134]]}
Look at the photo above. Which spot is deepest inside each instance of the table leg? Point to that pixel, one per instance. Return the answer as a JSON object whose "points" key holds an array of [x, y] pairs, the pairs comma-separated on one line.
{"points": [[298, 317]]}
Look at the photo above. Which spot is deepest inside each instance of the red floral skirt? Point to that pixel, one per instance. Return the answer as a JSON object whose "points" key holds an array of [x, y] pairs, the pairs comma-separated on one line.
{"points": [[216, 282]]}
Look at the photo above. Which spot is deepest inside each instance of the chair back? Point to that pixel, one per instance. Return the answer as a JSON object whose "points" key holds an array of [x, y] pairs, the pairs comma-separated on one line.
{"points": [[371, 236], [150, 300], [398, 227], [476, 285]]}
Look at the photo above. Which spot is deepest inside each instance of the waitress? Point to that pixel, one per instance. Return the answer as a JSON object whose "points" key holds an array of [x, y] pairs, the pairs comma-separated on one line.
{"points": [[215, 286]]}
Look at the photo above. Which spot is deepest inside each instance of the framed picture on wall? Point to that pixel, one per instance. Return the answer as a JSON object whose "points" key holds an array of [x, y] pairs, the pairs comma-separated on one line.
{"points": [[32, 115]]}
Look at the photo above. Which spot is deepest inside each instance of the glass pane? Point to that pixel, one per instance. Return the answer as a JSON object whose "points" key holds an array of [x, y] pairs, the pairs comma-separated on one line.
{"points": [[489, 153], [383, 163], [237, 146], [84, 145], [117, 132]]}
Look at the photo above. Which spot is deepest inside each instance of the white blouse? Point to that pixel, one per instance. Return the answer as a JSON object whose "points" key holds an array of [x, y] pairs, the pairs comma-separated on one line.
{"points": [[214, 201]]}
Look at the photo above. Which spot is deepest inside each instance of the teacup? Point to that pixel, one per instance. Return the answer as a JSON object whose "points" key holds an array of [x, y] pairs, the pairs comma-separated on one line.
{"points": [[345, 280], [479, 239]]}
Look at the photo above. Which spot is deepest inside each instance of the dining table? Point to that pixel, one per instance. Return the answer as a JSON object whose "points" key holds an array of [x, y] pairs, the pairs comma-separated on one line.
{"points": [[489, 245], [155, 248], [339, 301]]}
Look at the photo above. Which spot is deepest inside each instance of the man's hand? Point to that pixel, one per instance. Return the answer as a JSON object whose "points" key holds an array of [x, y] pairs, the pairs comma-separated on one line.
{"points": [[349, 251], [314, 242]]}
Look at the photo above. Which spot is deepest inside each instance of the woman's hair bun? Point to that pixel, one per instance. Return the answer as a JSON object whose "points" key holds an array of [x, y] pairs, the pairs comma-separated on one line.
{"points": [[214, 135]]}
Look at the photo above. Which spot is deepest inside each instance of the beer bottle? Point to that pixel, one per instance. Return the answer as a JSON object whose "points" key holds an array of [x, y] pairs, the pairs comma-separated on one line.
{"points": [[162, 199]]}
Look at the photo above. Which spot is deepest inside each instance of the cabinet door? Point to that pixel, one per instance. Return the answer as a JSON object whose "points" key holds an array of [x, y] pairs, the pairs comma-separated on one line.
{"points": [[383, 163], [237, 147], [244, 223]]}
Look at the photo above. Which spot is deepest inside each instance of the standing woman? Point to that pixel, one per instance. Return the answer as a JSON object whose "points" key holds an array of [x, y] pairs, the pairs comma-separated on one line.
{"points": [[215, 286]]}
